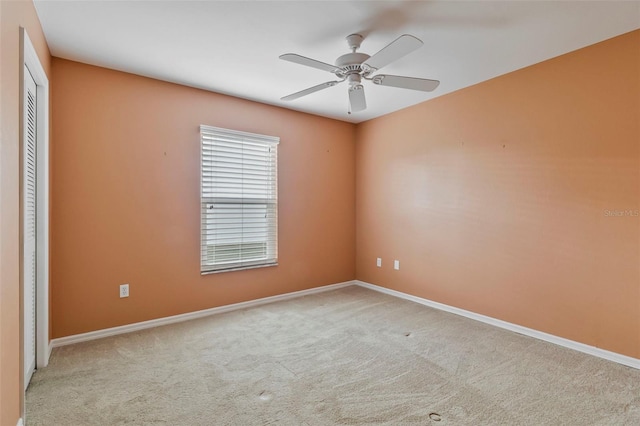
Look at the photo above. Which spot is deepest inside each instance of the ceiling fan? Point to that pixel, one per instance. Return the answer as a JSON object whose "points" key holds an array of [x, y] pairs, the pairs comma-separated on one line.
{"points": [[354, 67]]}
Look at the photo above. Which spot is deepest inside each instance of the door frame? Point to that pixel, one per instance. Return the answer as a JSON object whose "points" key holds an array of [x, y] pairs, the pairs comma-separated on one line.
{"points": [[29, 58]]}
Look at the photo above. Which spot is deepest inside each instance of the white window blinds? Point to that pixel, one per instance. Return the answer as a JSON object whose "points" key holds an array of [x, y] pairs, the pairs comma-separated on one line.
{"points": [[239, 200]]}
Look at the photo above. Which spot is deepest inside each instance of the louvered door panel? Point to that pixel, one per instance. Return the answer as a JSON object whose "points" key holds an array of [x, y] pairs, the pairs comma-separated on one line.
{"points": [[29, 209]]}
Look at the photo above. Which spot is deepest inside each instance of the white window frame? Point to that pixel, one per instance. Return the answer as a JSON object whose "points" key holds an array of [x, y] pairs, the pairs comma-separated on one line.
{"points": [[238, 200]]}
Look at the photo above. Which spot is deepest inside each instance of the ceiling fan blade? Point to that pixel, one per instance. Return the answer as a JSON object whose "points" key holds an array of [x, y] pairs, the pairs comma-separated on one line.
{"points": [[310, 90], [302, 60], [395, 50], [357, 101], [406, 82]]}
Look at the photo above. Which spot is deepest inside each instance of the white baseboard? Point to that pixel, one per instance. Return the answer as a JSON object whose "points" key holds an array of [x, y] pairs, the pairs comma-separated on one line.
{"points": [[20, 422], [571, 344], [98, 334]]}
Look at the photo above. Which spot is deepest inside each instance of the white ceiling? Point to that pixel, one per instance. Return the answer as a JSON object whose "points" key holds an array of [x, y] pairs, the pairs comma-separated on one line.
{"points": [[232, 47]]}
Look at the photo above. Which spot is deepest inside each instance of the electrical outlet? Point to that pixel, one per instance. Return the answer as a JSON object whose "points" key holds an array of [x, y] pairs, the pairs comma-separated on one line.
{"points": [[396, 265], [124, 290], [379, 262]]}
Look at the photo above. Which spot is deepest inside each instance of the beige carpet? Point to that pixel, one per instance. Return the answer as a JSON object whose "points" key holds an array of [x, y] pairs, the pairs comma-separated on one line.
{"points": [[350, 356]]}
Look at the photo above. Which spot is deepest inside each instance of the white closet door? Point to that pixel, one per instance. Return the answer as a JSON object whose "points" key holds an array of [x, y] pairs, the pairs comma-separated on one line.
{"points": [[29, 209]]}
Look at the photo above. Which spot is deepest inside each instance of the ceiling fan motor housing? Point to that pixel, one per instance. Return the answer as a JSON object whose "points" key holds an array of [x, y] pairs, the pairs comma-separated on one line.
{"points": [[351, 63]]}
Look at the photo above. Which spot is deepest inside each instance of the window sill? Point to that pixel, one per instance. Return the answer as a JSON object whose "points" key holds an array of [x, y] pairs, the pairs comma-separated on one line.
{"points": [[239, 268]]}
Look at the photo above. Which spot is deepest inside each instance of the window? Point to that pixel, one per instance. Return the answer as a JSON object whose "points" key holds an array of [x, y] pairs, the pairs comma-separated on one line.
{"points": [[239, 200]]}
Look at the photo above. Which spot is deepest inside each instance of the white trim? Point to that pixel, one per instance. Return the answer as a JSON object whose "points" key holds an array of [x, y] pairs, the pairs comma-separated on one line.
{"points": [[571, 344], [84, 337], [580, 347], [20, 422], [30, 60]]}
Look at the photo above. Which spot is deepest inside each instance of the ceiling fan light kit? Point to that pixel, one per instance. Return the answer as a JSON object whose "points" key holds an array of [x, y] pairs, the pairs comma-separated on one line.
{"points": [[355, 66]]}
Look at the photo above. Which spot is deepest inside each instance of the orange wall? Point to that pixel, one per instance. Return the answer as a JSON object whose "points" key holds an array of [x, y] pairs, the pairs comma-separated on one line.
{"points": [[126, 193], [493, 198], [13, 15]]}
